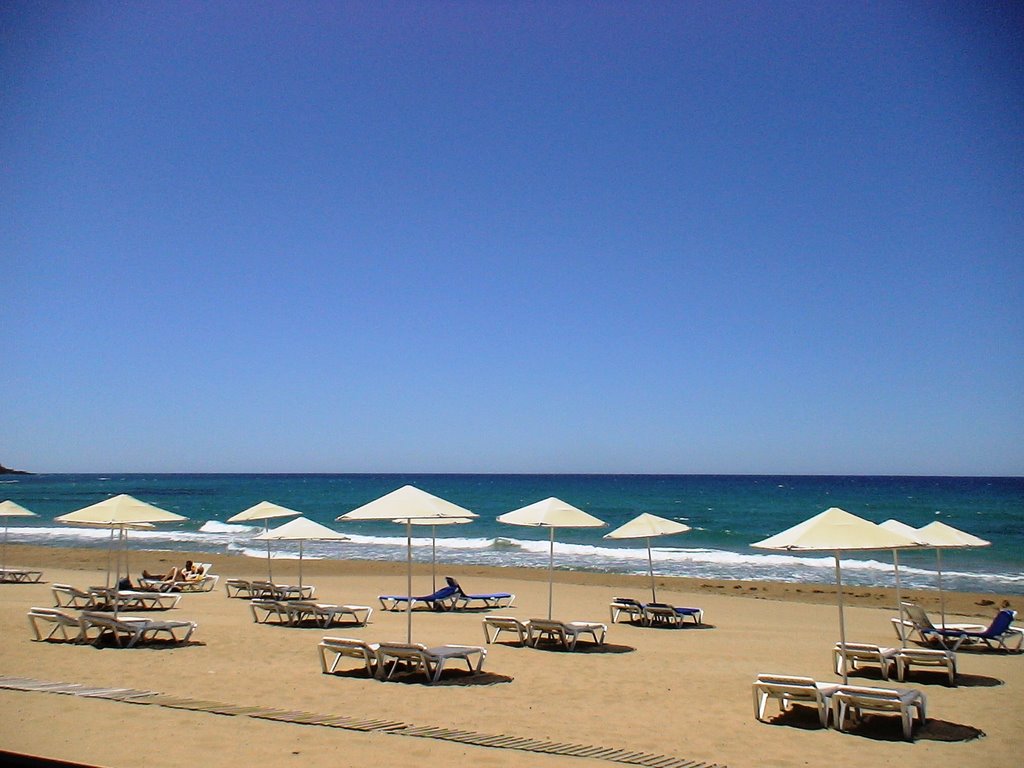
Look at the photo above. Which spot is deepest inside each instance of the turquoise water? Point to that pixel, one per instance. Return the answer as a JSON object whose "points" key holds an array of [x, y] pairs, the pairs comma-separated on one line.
{"points": [[727, 513]]}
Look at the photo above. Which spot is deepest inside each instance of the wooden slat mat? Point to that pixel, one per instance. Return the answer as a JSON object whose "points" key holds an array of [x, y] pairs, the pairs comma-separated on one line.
{"points": [[473, 738]]}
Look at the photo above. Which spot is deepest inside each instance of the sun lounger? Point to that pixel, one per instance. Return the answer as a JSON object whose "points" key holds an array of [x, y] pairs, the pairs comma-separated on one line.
{"points": [[134, 600], [996, 635], [918, 624], [67, 596], [239, 588], [19, 576], [429, 661], [565, 633], [853, 700], [506, 624], [203, 581], [134, 629], [442, 600], [61, 621], [487, 600], [665, 615], [326, 614], [344, 647], [633, 609], [925, 657], [264, 609], [851, 655], [789, 690], [269, 590]]}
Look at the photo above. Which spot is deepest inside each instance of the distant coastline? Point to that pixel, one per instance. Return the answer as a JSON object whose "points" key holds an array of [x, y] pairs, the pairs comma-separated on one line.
{"points": [[8, 471]]}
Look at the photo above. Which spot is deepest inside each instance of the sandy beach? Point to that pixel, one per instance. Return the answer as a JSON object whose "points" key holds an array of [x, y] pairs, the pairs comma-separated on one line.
{"points": [[677, 693]]}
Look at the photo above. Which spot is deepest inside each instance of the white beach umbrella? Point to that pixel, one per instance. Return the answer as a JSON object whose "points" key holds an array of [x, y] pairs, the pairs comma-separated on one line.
{"points": [[264, 511], [302, 529], [836, 530], [646, 526], [120, 513], [408, 505], [551, 513], [9, 509], [942, 536], [433, 540]]}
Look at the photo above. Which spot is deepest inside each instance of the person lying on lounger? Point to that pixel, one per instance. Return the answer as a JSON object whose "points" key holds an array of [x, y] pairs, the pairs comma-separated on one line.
{"points": [[189, 573]]}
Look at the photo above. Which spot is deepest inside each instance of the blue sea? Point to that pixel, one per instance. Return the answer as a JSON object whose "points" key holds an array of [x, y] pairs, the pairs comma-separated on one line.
{"points": [[726, 512]]}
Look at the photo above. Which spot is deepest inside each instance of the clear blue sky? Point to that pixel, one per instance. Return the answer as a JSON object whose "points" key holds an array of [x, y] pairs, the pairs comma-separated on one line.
{"points": [[512, 237]]}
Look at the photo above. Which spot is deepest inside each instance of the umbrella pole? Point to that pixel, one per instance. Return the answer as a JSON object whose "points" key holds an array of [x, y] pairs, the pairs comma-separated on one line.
{"points": [[270, 570], [300, 566], [433, 559], [842, 624], [942, 596], [650, 569], [899, 600], [110, 554], [551, 571], [3, 557], [408, 580]]}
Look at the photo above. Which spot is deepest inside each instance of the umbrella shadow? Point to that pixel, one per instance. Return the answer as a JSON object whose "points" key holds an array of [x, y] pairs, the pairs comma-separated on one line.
{"points": [[798, 716], [452, 677], [107, 642], [584, 647], [888, 728]]}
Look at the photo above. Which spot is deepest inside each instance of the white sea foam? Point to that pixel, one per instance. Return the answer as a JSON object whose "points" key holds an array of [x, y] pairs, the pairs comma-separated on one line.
{"points": [[214, 536], [215, 526]]}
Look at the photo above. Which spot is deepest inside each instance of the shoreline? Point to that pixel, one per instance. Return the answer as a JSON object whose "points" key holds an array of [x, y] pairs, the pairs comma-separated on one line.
{"points": [[970, 604]]}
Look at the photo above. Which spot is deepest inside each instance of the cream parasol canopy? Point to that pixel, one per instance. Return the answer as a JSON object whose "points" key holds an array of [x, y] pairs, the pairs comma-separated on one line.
{"points": [[265, 511], [9, 509], [836, 530], [646, 526], [409, 505], [121, 513], [551, 513], [302, 529], [940, 536]]}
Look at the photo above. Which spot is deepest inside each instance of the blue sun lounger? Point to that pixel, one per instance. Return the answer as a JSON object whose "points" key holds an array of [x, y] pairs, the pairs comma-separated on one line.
{"points": [[995, 635], [488, 600], [442, 600]]}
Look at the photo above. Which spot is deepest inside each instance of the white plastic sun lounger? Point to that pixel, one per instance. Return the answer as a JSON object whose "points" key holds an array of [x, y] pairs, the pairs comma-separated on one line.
{"points": [[429, 661], [632, 608], [19, 576], [61, 621], [326, 614], [789, 690], [501, 624], [853, 654], [853, 700], [67, 596], [134, 629], [269, 590], [263, 610], [238, 588], [565, 633], [203, 583], [345, 647], [134, 600], [925, 657], [665, 615]]}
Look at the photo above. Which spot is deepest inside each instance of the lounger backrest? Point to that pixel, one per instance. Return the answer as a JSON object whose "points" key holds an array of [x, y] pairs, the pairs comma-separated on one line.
{"points": [[629, 601], [1000, 623], [918, 615], [453, 584]]}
